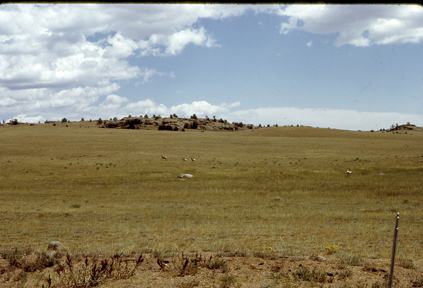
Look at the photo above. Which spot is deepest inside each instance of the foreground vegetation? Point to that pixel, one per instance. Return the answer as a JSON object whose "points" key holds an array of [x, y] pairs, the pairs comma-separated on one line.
{"points": [[280, 189]]}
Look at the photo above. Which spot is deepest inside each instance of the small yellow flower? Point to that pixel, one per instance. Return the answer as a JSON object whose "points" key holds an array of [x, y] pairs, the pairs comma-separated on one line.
{"points": [[331, 249]]}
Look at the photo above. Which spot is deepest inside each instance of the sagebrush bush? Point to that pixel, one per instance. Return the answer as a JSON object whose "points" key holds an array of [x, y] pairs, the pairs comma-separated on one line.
{"points": [[352, 260], [406, 263]]}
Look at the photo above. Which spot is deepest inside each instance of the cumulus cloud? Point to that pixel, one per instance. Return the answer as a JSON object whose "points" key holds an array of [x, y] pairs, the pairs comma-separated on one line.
{"points": [[63, 56], [117, 106], [69, 60], [359, 25], [202, 109], [69, 56]]}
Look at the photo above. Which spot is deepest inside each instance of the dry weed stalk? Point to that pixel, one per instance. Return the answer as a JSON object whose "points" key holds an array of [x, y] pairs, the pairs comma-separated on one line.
{"points": [[91, 273]]}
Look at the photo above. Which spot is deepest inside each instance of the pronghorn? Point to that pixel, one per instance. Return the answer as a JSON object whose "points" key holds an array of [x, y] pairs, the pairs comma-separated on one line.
{"points": [[349, 172], [184, 159], [192, 159], [164, 157]]}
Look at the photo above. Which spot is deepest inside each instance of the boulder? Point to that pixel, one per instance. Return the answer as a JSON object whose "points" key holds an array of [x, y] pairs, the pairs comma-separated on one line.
{"points": [[52, 254], [185, 176], [317, 258], [56, 246]]}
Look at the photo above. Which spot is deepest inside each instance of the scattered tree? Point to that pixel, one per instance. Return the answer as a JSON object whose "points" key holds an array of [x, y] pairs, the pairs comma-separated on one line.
{"points": [[82, 120], [99, 121], [14, 122], [64, 120], [193, 116]]}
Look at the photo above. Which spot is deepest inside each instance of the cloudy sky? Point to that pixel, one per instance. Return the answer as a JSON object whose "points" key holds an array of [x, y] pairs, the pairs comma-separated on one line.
{"points": [[355, 67]]}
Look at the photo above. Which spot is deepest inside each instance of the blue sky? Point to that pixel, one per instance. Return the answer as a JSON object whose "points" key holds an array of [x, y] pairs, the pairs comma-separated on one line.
{"points": [[355, 67]]}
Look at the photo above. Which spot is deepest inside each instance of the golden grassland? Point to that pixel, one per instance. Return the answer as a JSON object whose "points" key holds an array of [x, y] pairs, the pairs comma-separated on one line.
{"points": [[280, 189]]}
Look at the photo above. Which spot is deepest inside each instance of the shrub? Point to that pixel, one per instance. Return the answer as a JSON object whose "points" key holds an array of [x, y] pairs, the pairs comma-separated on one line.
{"points": [[417, 282], [406, 263], [352, 260], [227, 280], [99, 121], [312, 276], [331, 249], [64, 120], [217, 263], [345, 273], [14, 122], [93, 273], [41, 262]]}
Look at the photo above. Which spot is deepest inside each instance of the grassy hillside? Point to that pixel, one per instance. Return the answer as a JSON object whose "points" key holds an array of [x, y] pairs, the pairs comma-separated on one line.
{"points": [[283, 189]]}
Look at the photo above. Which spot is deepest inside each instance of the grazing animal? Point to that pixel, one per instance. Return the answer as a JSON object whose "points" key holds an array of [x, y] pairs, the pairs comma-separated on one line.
{"points": [[192, 159], [164, 157], [349, 172], [184, 159]]}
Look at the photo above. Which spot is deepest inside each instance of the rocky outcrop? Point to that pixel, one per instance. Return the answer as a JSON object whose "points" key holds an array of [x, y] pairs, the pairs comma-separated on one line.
{"points": [[175, 124], [405, 127]]}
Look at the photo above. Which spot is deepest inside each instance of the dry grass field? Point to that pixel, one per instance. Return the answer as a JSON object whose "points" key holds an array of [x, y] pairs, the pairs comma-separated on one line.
{"points": [[272, 191]]}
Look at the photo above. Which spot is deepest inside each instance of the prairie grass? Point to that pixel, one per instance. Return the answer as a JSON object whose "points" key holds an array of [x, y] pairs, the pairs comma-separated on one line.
{"points": [[108, 190]]}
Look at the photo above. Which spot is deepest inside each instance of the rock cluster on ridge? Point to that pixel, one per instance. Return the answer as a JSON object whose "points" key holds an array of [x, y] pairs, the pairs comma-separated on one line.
{"points": [[175, 124]]}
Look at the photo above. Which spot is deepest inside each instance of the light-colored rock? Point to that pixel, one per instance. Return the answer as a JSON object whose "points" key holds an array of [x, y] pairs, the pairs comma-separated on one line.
{"points": [[56, 246], [185, 176], [317, 258], [51, 253]]}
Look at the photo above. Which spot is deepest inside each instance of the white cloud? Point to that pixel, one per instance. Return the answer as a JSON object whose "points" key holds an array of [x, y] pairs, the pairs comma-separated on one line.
{"points": [[358, 25], [62, 56], [117, 106], [309, 43], [339, 119], [175, 43]]}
